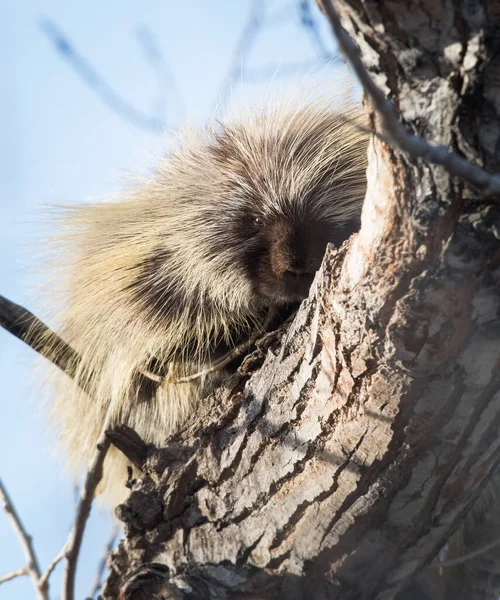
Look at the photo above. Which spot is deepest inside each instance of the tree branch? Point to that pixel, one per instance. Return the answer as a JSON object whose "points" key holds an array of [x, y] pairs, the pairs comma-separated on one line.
{"points": [[73, 545], [94, 81], [24, 325], [310, 24], [32, 567], [259, 20], [248, 34], [154, 56], [14, 574], [102, 565], [415, 146], [44, 579]]}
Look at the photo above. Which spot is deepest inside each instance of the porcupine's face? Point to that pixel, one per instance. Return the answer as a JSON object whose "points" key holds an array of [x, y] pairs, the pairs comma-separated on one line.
{"points": [[281, 252], [290, 188]]}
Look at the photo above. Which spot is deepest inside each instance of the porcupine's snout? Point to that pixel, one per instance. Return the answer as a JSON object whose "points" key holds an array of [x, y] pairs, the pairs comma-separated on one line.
{"points": [[298, 280], [296, 250]]}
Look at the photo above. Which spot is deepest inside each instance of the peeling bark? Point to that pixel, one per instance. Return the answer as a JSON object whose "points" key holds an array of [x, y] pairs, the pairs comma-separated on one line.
{"points": [[347, 450]]}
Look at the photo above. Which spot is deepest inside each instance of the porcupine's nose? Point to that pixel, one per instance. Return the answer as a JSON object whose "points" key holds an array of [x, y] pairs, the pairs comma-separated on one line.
{"points": [[297, 273], [299, 280]]}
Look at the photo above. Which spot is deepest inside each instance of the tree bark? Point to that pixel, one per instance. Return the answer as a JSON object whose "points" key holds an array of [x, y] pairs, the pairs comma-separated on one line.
{"points": [[347, 450]]}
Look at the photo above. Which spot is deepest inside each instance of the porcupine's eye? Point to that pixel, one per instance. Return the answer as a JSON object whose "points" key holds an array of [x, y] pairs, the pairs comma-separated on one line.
{"points": [[258, 222]]}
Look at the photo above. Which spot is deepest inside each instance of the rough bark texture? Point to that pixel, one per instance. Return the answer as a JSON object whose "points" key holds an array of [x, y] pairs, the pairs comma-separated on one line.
{"points": [[341, 459]]}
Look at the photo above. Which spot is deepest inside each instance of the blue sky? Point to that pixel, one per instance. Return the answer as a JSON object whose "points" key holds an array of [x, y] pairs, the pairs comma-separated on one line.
{"points": [[60, 143]]}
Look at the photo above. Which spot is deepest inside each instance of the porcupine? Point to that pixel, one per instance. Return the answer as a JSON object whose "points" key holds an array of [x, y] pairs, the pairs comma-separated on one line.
{"points": [[190, 262]]}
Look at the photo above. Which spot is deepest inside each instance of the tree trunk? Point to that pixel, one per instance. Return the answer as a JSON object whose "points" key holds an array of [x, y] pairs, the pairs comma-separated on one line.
{"points": [[342, 457]]}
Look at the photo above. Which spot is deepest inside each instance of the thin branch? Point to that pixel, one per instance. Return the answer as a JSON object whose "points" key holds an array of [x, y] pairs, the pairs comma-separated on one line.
{"points": [[414, 145], [13, 575], [164, 75], [92, 78], [154, 58], [76, 493], [130, 444], [247, 37], [30, 329], [24, 325], [259, 20], [32, 567], [102, 565], [73, 545], [309, 23], [230, 356], [44, 579], [460, 560], [150, 375]]}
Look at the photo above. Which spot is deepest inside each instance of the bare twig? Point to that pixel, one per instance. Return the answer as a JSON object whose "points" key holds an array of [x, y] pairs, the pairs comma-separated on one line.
{"points": [[24, 325], [32, 567], [28, 328], [218, 365], [164, 75], [73, 545], [247, 37], [309, 23], [150, 375], [460, 560], [281, 15], [76, 493], [129, 443], [259, 20], [102, 565], [230, 356], [13, 575], [154, 57], [414, 145], [92, 78], [225, 360], [44, 579]]}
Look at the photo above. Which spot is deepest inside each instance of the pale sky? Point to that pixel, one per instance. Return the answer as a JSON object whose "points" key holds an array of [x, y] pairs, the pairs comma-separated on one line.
{"points": [[60, 143]]}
